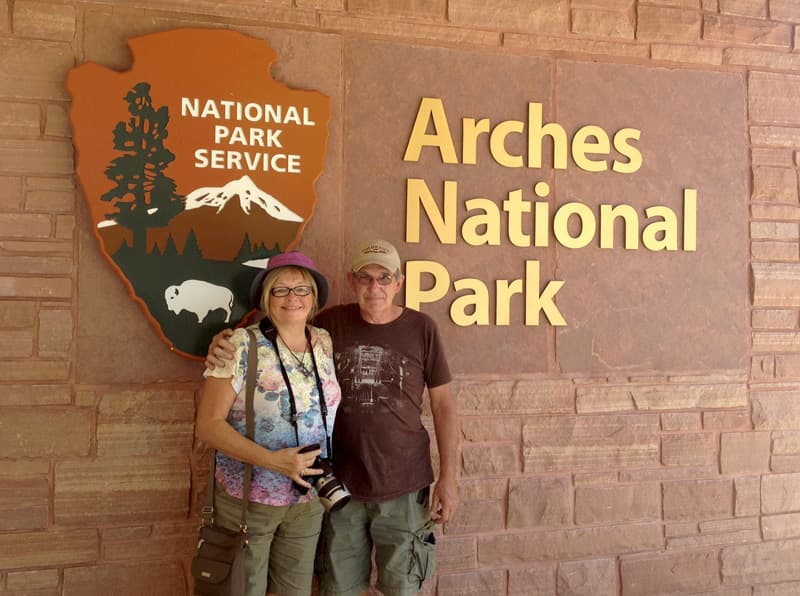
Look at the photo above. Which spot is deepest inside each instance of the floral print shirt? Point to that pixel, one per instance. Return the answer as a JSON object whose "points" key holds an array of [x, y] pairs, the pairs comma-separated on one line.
{"points": [[273, 427]]}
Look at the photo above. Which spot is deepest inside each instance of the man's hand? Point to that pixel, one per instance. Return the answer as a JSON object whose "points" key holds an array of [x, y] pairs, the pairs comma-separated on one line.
{"points": [[220, 349], [444, 501]]}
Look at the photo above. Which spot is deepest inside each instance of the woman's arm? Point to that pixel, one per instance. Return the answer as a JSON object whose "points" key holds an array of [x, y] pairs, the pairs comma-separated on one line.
{"points": [[212, 428]]}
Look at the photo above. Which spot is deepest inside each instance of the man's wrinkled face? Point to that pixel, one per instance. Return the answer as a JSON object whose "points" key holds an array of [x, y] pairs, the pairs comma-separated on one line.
{"points": [[375, 288]]}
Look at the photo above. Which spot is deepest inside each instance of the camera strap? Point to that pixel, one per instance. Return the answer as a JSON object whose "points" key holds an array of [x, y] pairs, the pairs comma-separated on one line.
{"points": [[272, 335]]}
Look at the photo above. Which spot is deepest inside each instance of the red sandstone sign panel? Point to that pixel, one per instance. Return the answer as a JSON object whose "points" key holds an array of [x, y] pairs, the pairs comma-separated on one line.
{"points": [[577, 217], [196, 166]]}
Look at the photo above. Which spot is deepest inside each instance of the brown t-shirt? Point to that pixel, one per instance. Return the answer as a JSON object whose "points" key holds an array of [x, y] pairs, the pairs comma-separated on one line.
{"points": [[381, 450]]}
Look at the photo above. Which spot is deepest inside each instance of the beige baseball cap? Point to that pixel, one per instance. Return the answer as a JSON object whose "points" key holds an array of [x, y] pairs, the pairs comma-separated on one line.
{"points": [[377, 252]]}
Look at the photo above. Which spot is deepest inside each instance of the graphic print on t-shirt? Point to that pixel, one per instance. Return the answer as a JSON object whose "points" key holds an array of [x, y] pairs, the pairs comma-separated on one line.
{"points": [[370, 376]]}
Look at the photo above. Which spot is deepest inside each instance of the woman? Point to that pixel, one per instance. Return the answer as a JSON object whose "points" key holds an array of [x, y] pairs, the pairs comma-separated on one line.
{"points": [[283, 522]]}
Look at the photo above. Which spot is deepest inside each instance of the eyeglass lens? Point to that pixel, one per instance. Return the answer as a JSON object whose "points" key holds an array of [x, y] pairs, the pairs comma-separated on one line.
{"points": [[365, 279], [282, 291]]}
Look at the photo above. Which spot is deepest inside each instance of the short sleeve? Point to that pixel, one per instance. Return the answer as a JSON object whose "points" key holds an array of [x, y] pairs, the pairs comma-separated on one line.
{"points": [[236, 368]]}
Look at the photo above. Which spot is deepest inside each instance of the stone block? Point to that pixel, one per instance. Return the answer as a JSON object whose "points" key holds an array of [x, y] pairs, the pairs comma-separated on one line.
{"points": [[121, 490], [786, 442], [533, 578], [65, 227], [785, 10], [776, 409], [55, 22], [55, 333], [681, 529], [697, 500], [770, 211], [582, 443], [508, 397], [547, 16], [669, 396], [23, 225], [774, 230], [19, 120], [455, 553], [726, 526], [774, 136], [756, 32], [162, 578], [539, 502], [50, 201], [35, 287], [34, 69], [674, 421], [522, 548], [712, 540], [686, 53], [30, 156], [780, 527], [662, 23], [483, 459], [727, 420], [25, 503], [549, 43], [28, 432], [763, 156], [670, 573], [765, 563], [785, 463], [747, 496], [603, 23], [431, 11], [473, 517], [597, 577], [171, 540], [409, 30], [35, 371], [745, 453], [472, 583], [483, 489], [145, 423], [744, 8], [41, 582], [780, 493], [593, 478], [776, 185], [787, 366], [788, 252], [777, 341], [784, 318], [762, 368], [615, 504], [50, 548], [484, 428], [689, 449], [16, 343]]}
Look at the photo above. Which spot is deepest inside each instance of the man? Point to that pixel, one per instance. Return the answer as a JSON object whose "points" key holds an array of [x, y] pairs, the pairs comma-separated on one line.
{"points": [[385, 357]]}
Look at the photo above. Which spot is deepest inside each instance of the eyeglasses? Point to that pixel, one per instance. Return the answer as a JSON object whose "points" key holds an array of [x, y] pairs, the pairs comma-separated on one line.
{"points": [[365, 279], [283, 291]]}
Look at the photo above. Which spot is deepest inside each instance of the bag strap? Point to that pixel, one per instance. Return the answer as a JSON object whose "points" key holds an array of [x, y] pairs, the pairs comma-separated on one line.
{"points": [[208, 509]]}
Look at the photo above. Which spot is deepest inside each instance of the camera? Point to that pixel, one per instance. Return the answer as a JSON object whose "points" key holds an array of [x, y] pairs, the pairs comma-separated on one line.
{"points": [[331, 492]]}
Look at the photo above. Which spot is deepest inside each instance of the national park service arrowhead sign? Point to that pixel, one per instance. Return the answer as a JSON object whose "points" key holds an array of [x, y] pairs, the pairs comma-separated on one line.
{"points": [[196, 166]]}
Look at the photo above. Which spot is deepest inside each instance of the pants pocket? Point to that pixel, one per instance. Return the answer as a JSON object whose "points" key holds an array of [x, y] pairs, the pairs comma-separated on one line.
{"points": [[423, 553]]}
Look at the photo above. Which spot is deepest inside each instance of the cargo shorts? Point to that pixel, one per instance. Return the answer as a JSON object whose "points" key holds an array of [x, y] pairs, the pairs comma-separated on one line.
{"points": [[401, 532], [282, 542]]}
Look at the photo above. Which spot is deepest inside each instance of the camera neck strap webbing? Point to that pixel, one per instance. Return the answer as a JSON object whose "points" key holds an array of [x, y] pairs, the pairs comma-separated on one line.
{"points": [[272, 335]]}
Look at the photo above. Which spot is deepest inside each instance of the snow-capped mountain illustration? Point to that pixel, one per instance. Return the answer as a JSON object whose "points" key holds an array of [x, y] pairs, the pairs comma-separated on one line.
{"points": [[247, 191], [219, 224]]}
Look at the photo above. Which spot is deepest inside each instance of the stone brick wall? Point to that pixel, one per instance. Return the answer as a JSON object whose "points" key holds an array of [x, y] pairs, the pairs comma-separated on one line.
{"points": [[654, 483]]}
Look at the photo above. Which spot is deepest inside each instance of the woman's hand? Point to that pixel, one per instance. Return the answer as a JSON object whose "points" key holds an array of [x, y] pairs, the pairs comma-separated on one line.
{"points": [[293, 464]]}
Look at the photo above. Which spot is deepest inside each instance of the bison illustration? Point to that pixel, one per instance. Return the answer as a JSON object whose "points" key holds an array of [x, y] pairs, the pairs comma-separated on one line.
{"points": [[199, 297]]}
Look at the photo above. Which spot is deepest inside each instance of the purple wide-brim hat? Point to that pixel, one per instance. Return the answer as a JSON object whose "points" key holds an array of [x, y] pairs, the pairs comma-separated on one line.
{"points": [[292, 258]]}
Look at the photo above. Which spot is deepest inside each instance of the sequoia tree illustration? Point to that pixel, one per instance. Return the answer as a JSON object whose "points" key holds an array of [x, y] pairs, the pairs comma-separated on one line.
{"points": [[143, 196]]}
